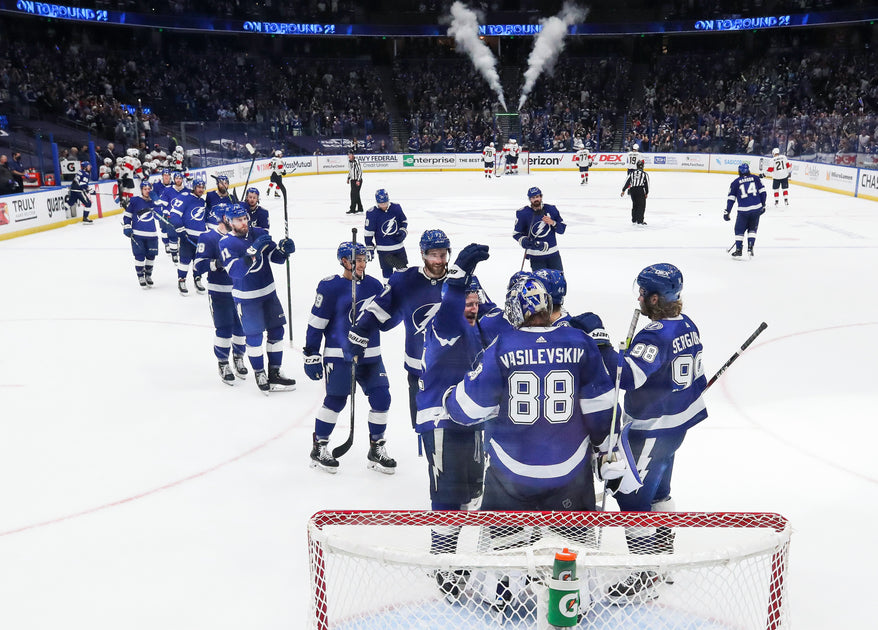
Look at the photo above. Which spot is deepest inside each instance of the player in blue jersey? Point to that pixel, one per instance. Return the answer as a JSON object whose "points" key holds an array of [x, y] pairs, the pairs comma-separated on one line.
{"points": [[229, 335], [158, 188], [139, 220], [385, 231], [412, 297], [246, 254], [749, 193], [663, 379], [535, 228], [220, 195], [258, 214], [78, 193], [455, 454], [330, 323], [166, 199], [189, 218]]}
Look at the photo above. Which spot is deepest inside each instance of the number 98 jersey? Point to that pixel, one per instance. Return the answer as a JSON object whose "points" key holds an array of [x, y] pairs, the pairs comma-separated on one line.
{"points": [[663, 377]]}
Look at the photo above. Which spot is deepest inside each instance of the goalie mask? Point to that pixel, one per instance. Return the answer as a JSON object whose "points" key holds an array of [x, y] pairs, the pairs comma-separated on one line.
{"points": [[526, 297]]}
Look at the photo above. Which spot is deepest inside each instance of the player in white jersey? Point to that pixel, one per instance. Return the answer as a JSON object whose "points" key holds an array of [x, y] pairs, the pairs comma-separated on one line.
{"points": [[512, 158], [278, 170], [633, 158], [488, 155], [585, 161], [177, 159], [507, 153], [130, 168], [105, 171], [779, 169]]}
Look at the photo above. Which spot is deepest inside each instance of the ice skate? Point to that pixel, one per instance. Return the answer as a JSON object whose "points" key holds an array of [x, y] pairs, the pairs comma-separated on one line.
{"points": [[321, 456], [181, 286], [225, 373], [278, 382], [141, 279], [198, 286], [378, 459], [637, 588], [737, 254], [262, 382], [241, 370]]}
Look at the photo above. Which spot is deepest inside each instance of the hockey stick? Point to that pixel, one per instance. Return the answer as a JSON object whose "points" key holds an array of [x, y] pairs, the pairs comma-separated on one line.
{"points": [[734, 357], [289, 286], [249, 173], [338, 451], [623, 347]]}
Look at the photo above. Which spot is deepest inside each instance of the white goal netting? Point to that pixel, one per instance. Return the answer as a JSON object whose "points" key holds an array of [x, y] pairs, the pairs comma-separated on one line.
{"points": [[372, 570]]}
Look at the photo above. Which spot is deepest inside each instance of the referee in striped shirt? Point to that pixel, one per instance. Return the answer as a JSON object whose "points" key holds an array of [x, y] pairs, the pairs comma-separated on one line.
{"points": [[355, 179], [637, 186]]}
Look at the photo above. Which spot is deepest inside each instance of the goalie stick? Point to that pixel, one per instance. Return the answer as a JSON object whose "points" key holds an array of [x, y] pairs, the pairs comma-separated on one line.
{"points": [[338, 451], [735, 356]]}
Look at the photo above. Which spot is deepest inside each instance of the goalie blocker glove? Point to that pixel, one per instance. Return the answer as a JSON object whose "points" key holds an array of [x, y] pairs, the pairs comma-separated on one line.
{"points": [[617, 469]]}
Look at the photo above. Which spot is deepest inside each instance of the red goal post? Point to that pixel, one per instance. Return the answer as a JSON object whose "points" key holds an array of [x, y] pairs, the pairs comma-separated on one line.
{"points": [[375, 569]]}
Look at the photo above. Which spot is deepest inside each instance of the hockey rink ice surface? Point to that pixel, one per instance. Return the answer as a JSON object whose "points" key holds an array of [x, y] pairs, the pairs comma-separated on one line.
{"points": [[139, 492]]}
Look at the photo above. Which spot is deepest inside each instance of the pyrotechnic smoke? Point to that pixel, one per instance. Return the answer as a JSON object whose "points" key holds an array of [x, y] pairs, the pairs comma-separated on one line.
{"points": [[548, 44], [465, 30]]}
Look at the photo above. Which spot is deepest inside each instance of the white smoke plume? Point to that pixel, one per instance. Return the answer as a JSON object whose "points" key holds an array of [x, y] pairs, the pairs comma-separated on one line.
{"points": [[465, 30], [548, 44]]}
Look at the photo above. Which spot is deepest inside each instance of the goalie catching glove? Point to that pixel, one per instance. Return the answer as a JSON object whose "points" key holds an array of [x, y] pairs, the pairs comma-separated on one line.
{"points": [[617, 468]]}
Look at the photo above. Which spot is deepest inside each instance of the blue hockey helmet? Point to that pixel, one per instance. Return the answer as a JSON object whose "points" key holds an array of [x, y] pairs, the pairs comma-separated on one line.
{"points": [[533, 191], [236, 211], [743, 169], [166, 171], [144, 183], [663, 279], [198, 181], [518, 275], [527, 297], [434, 239], [347, 247], [220, 211], [222, 178], [180, 175], [555, 283], [253, 190], [381, 196]]}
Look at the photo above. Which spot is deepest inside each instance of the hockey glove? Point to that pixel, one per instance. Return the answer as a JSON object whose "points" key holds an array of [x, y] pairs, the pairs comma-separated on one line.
{"points": [[526, 242], [399, 237], [357, 342], [314, 366], [215, 265], [543, 246], [727, 216], [591, 324], [261, 242], [286, 247], [761, 210], [465, 264], [370, 254], [127, 231]]}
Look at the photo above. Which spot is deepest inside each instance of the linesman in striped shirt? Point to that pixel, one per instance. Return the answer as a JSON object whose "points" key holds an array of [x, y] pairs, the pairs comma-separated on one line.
{"points": [[637, 185], [355, 179]]}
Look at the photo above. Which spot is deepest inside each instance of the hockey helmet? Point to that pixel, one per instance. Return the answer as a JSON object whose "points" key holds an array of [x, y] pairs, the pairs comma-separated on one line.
{"points": [[491, 144], [381, 196], [347, 247], [743, 169], [518, 275], [253, 190], [85, 165], [179, 174], [526, 297], [198, 181], [278, 153], [434, 239], [222, 178], [513, 141], [555, 283], [178, 149], [662, 279], [144, 183], [220, 211], [635, 147], [108, 161], [120, 161], [775, 151], [166, 171], [640, 164], [235, 211], [533, 191], [132, 152]]}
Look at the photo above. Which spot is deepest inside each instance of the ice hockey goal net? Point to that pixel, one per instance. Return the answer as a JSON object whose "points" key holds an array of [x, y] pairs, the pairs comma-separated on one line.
{"points": [[375, 569]]}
